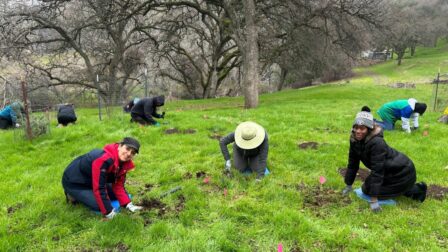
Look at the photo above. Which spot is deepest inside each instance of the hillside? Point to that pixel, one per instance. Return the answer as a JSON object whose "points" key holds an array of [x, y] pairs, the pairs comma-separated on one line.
{"points": [[288, 206]]}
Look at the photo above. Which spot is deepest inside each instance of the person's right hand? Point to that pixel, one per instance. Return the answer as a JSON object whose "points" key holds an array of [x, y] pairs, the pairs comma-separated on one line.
{"points": [[347, 190], [228, 164], [157, 124], [17, 125], [111, 214]]}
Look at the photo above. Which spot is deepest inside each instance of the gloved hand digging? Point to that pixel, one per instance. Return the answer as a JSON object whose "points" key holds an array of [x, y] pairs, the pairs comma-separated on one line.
{"points": [[133, 208], [111, 214]]}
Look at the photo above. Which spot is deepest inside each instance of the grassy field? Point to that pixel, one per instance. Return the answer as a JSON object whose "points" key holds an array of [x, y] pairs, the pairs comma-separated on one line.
{"points": [[288, 207]]}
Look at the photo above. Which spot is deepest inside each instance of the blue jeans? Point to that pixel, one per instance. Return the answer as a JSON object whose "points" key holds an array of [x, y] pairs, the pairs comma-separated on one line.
{"points": [[85, 195], [385, 125]]}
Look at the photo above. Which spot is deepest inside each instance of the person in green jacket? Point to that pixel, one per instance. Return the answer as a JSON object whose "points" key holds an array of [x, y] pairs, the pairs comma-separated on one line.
{"points": [[405, 110]]}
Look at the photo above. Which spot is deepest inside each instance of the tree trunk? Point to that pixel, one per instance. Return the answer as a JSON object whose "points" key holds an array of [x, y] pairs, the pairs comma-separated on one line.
{"points": [[412, 50], [250, 57], [283, 73], [400, 55]]}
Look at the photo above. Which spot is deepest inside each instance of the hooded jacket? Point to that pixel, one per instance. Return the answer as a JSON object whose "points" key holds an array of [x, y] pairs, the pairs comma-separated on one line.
{"points": [[391, 172], [400, 110], [9, 114], [67, 111], [147, 108], [97, 168]]}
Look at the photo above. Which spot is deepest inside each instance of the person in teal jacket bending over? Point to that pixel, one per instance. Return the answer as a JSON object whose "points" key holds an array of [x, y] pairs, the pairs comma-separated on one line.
{"points": [[405, 110]]}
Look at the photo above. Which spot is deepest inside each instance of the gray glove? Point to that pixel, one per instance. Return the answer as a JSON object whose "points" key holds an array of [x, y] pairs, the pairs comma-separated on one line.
{"points": [[348, 189], [228, 165], [111, 214], [375, 206], [133, 208]]}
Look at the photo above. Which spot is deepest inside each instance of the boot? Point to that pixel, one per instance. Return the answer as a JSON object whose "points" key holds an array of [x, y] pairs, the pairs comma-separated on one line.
{"points": [[69, 199]]}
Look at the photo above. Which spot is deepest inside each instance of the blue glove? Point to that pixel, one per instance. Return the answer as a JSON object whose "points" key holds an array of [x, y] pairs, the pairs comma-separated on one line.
{"points": [[157, 124]]}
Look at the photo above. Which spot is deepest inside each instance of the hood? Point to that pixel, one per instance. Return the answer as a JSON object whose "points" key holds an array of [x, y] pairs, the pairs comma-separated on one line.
{"points": [[376, 131], [411, 102], [159, 100], [112, 150]]}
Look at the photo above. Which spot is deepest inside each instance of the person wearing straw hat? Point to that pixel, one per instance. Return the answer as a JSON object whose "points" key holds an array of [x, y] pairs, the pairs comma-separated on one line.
{"points": [[98, 177], [391, 172], [250, 149]]}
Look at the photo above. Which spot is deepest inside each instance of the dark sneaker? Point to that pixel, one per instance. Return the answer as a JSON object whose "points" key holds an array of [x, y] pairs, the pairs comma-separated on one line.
{"points": [[70, 200], [422, 196]]}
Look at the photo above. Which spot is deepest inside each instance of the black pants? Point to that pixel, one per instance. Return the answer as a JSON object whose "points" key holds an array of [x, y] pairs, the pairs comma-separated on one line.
{"points": [[64, 120], [5, 123], [243, 163], [140, 119], [85, 195]]}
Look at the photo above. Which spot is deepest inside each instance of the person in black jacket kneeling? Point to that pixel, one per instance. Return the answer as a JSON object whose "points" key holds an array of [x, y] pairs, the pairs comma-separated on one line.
{"points": [[66, 114], [391, 172], [143, 111]]}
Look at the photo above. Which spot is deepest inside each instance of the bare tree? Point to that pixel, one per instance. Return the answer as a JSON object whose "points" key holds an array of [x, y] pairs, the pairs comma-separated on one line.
{"points": [[82, 40]]}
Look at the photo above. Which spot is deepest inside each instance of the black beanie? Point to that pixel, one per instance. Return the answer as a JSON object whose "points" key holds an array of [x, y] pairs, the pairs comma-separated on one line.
{"points": [[131, 142], [420, 108]]}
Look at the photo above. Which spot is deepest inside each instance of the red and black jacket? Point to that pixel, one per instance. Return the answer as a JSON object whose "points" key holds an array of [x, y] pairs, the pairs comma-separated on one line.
{"points": [[97, 168]]}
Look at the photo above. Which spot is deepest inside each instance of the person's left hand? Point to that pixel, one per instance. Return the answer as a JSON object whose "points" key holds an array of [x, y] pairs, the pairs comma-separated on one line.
{"points": [[375, 206], [133, 208], [17, 125], [157, 124]]}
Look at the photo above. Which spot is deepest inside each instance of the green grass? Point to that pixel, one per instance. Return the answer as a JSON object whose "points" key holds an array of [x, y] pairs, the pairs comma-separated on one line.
{"points": [[252, 217]]}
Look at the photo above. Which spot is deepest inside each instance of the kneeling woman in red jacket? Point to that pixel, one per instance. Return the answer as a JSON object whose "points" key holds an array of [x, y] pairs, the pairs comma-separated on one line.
{"points": [[96, 178]]}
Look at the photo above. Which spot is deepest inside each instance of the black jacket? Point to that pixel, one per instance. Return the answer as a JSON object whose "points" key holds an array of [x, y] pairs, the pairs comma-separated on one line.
{"points": [[147, 107], [67, 111], [392, 172]]}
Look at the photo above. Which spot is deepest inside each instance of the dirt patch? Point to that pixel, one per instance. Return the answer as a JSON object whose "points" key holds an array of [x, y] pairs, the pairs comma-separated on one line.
{"points": [[401, 85], [362, 174], [55, 238], [121, 247], [437, 192], [147, 187], [187, 175], [200, 174], [308, 145], [177, 131], [189, 131], [14, 208], [154, 203], [215, 136], [319, 196], [147, 222], [171, 131], [180, 205]]}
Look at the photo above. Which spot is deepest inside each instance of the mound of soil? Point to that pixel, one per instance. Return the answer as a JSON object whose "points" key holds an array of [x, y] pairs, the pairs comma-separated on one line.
{"points": [[308, 145], [436, 192], [121, 247], [189, 131], [402, 85], [154, 203], [318, 196], [362, 174]]}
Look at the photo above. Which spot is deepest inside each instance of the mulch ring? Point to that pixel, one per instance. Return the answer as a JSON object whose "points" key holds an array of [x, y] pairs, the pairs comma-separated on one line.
{"points": [[362, 174], [177, 131], [320, 196], [14, 208], [436, 192], [308, 145]]}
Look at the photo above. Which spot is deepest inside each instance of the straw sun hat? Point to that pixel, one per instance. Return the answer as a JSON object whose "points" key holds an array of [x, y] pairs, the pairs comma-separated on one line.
{"points": [[249, 135]]}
